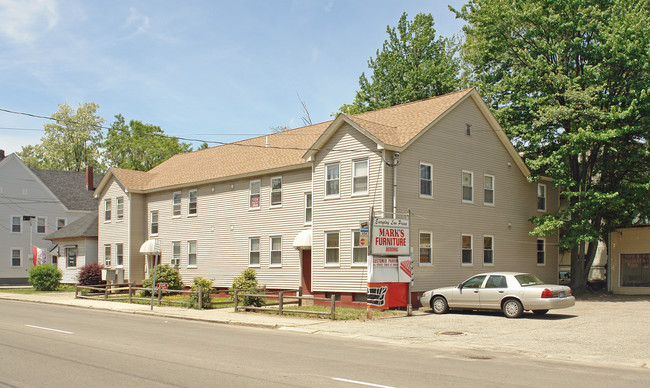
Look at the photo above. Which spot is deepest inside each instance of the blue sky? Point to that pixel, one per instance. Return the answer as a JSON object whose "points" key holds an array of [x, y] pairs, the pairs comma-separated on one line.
{"points": [[212, 70]]}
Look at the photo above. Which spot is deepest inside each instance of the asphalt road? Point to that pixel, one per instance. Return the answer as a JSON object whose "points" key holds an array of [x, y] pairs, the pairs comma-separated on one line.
{"points": [[45, 345]]}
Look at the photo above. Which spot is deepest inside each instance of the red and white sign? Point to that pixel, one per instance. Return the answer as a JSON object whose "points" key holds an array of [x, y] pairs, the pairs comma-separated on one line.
{"points": [[162, 286], [390, 236]]}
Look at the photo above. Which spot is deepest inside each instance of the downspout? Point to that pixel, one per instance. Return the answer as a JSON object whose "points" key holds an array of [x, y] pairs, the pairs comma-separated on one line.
{"points": [[394, 190]]}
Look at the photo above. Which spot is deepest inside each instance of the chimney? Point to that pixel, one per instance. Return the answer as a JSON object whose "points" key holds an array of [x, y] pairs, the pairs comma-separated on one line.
{"points": [[90, 185], [2, 154]]}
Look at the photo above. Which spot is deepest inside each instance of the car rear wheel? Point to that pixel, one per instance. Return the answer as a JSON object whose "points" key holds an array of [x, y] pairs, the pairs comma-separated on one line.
{"points": [[439, 305], [540, 312], [512, 308]]}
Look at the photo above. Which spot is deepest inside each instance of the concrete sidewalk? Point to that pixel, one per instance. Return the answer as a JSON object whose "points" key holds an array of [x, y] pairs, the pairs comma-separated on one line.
{"points": [[613, 331]]}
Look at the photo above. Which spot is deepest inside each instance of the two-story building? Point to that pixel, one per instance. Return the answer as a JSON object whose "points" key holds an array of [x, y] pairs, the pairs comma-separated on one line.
{"points": [[290, 204], [33, 204]]}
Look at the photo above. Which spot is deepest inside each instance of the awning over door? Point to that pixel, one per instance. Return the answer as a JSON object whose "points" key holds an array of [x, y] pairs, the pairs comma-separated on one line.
{"points": [[150, 247], [303, 240]]}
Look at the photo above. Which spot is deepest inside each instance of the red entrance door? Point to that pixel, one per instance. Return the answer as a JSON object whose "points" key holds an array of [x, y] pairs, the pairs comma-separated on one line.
{"points": [[306, 271]]}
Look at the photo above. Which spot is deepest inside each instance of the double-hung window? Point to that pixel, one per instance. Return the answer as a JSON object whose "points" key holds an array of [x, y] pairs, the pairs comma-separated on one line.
{"points": [[308, 208], [191, 253], [332, 179], [40, 225], [332, 247], [176, 204], [359, 252], [426, 180], [71, 255], [541, 251], [176, 253], [426, 256], [16, 254], [60, 223], [254, 195], [488, 250], [468, 186], [154, 222], [107, 210], [119, 202], [488, 190], [466, 242], [192, 208], [254, 252], [16, 224], [276, 251], [360, 176], [119, 255], [107, 255], [541, 197], [276, 191]]}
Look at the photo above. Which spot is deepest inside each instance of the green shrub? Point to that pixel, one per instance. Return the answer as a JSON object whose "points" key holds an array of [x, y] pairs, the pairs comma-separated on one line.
{"points": [[45, 277], [204, 286], [91, 275], [248, 281], [165, 273]]}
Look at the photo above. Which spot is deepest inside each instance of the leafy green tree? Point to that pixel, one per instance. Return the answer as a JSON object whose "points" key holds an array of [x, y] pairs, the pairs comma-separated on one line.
{"points": [[570, 82], [138, 146], [413, 64], [71, 143]]}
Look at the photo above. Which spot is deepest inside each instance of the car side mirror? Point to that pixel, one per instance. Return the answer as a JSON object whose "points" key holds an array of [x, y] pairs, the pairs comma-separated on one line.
{"points": [[460, 286]]}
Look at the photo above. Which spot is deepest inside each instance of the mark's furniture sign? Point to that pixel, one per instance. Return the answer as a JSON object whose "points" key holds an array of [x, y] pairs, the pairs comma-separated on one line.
{"points": [[390, 236]]}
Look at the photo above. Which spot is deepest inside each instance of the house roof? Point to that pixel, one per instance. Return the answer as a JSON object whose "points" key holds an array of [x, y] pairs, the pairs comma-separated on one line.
{"points": [[85, 226], [393, 128], [70, 188]]}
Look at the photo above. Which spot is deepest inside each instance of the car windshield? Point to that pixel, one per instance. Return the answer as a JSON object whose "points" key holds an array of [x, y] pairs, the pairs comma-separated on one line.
{"points": [[528, 280]]}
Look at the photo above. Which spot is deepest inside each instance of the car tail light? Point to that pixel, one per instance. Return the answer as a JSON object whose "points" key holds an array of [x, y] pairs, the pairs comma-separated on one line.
{"points": [[547, 293]]}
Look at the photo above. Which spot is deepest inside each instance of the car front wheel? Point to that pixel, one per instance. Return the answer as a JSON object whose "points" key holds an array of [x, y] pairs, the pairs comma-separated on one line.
{"points": [[439, 305], [512, 308]]}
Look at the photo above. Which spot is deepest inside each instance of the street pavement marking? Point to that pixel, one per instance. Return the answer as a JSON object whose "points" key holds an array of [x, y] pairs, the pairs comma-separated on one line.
{"points": [[361, 383], [47, 328]]}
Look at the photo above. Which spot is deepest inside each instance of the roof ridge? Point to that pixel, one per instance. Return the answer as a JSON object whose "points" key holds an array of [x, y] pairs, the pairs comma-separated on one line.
{"points": [[415, 102]]}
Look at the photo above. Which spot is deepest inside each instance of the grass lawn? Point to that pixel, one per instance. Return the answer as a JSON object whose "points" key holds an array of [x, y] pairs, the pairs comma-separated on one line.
{"points": [[31, 290]]}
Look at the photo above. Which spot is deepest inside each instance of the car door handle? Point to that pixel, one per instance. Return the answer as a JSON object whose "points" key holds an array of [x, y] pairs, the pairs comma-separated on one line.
{"points": [[476, 291], [501, 292]]}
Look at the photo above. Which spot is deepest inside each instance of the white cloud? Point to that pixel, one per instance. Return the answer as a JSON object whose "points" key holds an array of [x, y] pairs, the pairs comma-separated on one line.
{"points": [[26, 20], [138, 21]]}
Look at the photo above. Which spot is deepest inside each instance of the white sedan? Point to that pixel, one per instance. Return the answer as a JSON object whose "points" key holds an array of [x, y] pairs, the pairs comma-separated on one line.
{"points": [[510, 292]]}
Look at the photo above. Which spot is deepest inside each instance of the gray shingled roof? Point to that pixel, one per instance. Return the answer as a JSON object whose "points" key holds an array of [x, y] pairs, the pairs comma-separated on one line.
{"points": [[86, 226], [70, 188]]}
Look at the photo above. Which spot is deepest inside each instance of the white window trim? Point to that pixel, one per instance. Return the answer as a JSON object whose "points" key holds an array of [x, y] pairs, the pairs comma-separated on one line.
{"points": [[117, 265], [180, 253], [271, 205], [44, 225], [338, 263], [259, 256], [151, 222], [337, 195], [360, 193], [110, 256], [196, 254], [493, 190], [119, 218], [420, 180], [250, 194], [109, 210], [537, 251], [430, 233], [311, 207], [11, 257], [20, 223], [537, 197], [180, 204], [189, 203], [463, 186], [65, 222], [493, 256], [355, 263], [271, 264], [471, 263]]}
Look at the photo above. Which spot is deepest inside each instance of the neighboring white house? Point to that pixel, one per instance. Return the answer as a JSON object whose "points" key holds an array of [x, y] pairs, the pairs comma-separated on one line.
{"points": [[76, 246], [34, 203], [290, 204]]}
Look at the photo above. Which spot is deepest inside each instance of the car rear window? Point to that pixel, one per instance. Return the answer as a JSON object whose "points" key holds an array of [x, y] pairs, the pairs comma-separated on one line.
{"points": [[528, 280]]}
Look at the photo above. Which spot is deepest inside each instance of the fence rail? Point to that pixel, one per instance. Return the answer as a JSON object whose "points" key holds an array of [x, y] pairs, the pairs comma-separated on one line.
{"points": [[282, 301]]}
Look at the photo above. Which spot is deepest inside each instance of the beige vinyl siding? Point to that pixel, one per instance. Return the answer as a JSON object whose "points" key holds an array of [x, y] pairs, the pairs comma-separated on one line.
{"points": [[137, 232], [627, 241], [450, 151], [114, 232], [343, 214], [86, 254], [224, 223]]}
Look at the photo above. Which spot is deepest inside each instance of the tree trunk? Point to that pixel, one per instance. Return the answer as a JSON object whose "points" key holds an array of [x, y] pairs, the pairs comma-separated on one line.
{"points": [[581, 262]]}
